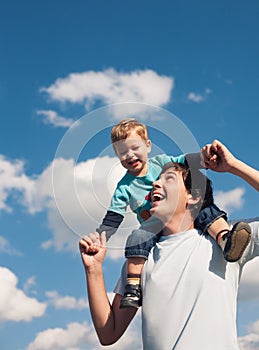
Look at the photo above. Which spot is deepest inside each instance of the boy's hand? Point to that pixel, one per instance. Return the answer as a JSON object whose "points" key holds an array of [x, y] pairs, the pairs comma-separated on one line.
{"points": [[217, 157], [93, 249]]}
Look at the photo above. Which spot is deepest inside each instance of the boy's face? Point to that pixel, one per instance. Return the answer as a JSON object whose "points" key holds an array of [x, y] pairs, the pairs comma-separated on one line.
{"points": [[169, 195], [133, 153]]}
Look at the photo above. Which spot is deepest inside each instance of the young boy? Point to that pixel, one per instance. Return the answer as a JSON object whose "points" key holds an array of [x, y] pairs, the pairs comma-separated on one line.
{"points": [[132, 146]]}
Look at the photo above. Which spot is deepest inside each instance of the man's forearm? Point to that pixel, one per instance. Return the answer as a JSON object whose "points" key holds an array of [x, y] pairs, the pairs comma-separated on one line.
{"points": [[110, 321], [247, 173], [99, 304]]}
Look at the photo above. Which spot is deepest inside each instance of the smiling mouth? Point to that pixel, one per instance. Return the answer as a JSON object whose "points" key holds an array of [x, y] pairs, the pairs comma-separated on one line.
{"points": [[133, 162], [157, 197]]}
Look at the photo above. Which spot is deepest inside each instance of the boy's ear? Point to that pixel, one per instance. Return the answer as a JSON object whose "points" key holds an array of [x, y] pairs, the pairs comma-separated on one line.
{"points": [[149, 145]]}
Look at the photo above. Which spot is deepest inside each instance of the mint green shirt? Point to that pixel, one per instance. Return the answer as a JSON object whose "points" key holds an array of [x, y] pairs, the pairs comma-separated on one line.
{"points": [[133, 191]]}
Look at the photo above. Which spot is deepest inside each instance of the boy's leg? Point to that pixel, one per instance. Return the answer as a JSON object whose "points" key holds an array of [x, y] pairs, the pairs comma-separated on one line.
{"points": [[136, 255], [132, 294]]}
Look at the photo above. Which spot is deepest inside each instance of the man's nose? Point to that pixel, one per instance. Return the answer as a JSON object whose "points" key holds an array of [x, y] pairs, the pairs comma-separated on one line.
{"points": [[157, 184]]}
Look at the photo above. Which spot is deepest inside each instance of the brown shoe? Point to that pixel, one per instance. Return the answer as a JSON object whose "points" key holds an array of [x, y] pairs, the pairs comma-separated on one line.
{"points": [[237, 240]]}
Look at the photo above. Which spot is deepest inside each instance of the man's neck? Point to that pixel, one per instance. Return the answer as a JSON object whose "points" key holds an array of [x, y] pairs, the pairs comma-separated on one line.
{"points": [[176, 225]]}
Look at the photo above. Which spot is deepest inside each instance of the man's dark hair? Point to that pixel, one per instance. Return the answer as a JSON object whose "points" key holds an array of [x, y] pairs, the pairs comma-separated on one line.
{"points": [[196, 183]]}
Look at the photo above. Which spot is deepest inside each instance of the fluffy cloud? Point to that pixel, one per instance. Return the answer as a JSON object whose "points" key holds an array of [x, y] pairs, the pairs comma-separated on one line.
{"points": [[65, 302], [110, 86], [230, 200], [79, 336], [197, 98], [14, 304], [251, 340], [82, 196], [75, 198], [5, 247], [12, 178], [52, 117]]}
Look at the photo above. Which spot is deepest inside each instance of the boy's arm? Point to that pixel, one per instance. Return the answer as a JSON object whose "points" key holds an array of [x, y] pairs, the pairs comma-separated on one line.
{"points": [[115, 213], [194, 160], [218, 158], [110, 321], [110, 223]]}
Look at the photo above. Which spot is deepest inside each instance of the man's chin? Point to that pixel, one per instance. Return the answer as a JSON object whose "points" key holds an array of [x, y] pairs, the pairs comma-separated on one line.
{"points": [[154, 212]]}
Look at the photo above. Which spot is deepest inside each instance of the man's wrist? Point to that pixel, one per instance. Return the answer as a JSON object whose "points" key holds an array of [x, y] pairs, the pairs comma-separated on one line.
{"points": [[94, 269]]}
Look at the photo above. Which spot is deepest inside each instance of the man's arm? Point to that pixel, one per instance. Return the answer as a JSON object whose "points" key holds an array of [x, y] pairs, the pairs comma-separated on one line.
{"points": [[218, 158], [110, 321]]}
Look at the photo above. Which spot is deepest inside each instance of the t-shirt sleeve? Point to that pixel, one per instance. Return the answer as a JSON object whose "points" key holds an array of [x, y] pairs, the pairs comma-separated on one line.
{"points": [[252, 250], [110, 223]]}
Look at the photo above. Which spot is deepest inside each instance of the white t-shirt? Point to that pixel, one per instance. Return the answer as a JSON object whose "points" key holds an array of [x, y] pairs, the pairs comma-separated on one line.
{"points": [[189, 293]]}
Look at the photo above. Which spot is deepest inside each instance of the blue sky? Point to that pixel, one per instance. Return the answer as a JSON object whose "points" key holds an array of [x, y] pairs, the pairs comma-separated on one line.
{"points": [[192, 65]]}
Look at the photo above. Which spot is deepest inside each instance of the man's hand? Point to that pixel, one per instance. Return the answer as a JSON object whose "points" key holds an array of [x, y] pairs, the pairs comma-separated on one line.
{"points": [[217, 157], [93, 249]]}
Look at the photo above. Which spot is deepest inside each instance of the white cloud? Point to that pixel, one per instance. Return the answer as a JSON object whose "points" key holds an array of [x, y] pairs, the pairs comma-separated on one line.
{"points": [[52, 117], [65, 302], [81, 336], [230, 200], [6, 248], [31, 281], [14, 304], [197, 98], [81, 192], [12, 181], [110, 86], [251, 340]]}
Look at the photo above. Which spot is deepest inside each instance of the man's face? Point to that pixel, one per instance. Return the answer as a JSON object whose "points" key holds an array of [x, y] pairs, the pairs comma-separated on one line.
{"points": [[169, 195], [133, 153]]}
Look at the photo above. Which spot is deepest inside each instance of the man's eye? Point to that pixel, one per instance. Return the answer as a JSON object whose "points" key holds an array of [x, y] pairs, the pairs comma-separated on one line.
{"points": [[170, 177]]}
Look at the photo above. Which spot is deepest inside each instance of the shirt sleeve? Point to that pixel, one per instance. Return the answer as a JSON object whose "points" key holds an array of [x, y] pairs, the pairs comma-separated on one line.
{"points": [[110, 223], [252, 250]]}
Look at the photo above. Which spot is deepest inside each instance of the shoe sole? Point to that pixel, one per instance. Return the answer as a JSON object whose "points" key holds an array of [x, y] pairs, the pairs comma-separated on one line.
{"points": [[239, 241]]}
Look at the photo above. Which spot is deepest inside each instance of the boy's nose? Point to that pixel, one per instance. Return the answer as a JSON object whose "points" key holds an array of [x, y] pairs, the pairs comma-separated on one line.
{"points": [[129, 154]]}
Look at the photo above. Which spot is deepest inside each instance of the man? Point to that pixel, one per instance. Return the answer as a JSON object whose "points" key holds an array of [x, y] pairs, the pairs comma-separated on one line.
{"points": [[186, 271]]}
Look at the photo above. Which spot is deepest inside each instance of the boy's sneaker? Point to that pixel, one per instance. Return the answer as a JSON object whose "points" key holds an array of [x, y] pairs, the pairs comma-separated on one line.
{"points": [[132, 296], [238, 239]]}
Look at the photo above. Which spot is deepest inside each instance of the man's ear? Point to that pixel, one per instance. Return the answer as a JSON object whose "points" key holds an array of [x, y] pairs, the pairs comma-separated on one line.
{"points": [[194, 199]]}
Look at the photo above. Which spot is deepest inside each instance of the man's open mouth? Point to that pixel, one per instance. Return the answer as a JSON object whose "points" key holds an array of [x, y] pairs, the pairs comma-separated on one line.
{"points": [[157, 197]]}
